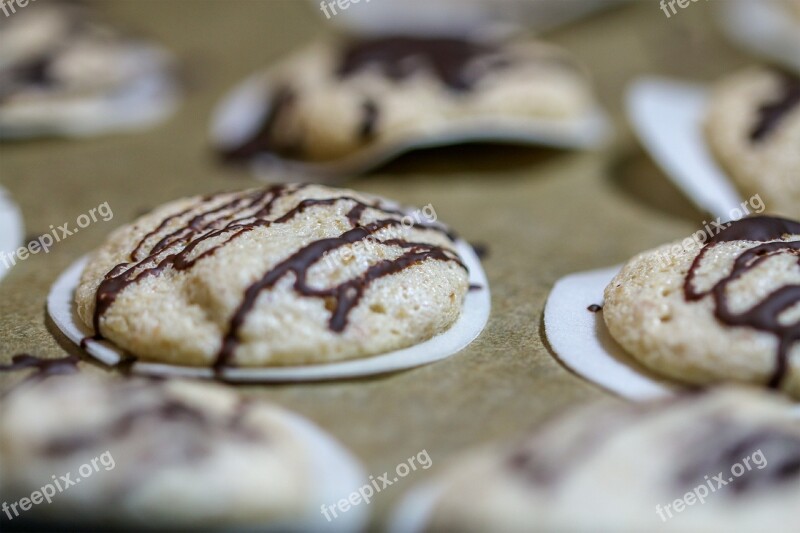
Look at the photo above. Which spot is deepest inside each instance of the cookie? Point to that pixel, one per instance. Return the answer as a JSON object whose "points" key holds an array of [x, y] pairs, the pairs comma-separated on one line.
{"points": [[726, 460], [753, 129], [336, 99], [284, 275], [148, 454], [716, 312], [65, 73]]}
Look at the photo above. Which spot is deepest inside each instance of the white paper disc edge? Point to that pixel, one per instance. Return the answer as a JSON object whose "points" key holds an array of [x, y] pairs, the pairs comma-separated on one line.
{"points": [[11, 229], [667, 116]]}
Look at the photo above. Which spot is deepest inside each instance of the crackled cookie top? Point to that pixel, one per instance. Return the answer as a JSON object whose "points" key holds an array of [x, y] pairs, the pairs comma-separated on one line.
{"points": [[148, 453], [622, 468], [282, 275], [726, 310], [753, 128], [335, 99]]}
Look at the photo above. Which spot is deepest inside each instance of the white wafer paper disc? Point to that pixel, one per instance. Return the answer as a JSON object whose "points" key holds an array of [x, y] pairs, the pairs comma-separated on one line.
{"points": [[458, 17], [415, 510], [11, 231], [667, 115], [473, 319], [764, 27]]}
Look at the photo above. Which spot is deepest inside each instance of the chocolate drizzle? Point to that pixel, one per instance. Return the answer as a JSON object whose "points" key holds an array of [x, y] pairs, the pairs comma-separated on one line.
{"points": [[765, 315], [192, 427], [180, 249], [772, 113], [266, 140], [481, 249], [369, 121], [399, 57], [34, 72], [169, 411], [724, 443], [43, 367]]}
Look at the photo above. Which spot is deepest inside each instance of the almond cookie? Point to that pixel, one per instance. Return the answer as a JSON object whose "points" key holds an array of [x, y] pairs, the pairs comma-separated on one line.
{"points": [[753, 128], [62, 72], [148, 454], [722, 461], [284, 275], [335, 99], [726, 310]]}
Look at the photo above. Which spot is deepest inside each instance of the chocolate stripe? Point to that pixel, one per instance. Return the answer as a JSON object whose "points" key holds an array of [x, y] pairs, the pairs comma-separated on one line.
{"points": [[765, 315], [771, 114], [43, 367], [399, 57]]}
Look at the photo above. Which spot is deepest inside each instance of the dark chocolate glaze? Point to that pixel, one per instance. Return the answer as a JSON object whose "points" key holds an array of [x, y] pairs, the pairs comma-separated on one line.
{"points": [[764, 315], [398, 57], [31, 73], [725, 443], [175, 249], [165, 411], [123, 426], [481, 249], [43, 367], [265, 140], [594, 308], [36, 70], [772, 113], [369, 121]]}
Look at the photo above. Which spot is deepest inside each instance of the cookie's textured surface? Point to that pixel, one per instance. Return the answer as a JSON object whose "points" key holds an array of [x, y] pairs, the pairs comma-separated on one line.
{"points": [[282, 275], [618, 468], [150, 453], [726, 311], [334, 99], [753, 128]]}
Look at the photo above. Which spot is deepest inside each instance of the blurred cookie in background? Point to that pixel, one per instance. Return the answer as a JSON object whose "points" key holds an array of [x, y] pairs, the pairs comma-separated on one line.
{"points": [[63, 72], [753, 129], [344, 106], [91, 452], [721, 460]]}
